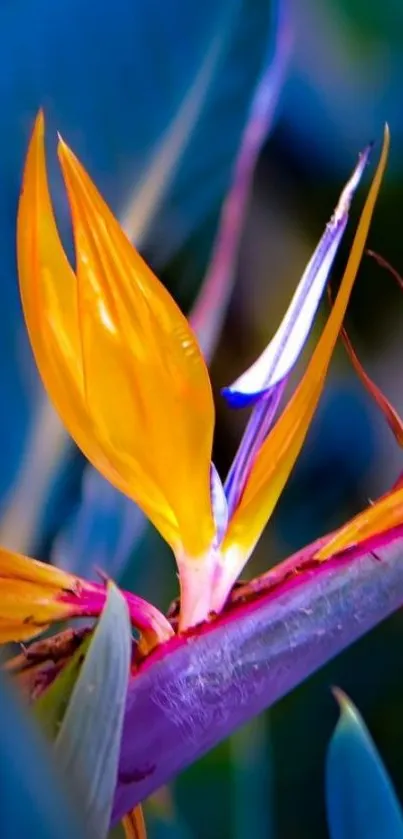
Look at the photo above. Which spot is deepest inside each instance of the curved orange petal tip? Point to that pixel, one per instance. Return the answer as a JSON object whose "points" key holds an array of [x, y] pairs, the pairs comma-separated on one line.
{"points": [[30, 596], [34, 595], [385, 514], [116, 355], [280, 450]]}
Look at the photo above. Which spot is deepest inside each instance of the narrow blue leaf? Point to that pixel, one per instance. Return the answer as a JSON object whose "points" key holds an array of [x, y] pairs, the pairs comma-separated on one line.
{"points": [[361, 801], [32, 800], [88, 742], [103, 533]]}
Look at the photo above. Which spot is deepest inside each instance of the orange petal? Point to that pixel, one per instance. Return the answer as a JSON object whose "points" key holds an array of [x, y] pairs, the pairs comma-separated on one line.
{"points": [[280, 450], [13, 565], [134, 825], [376, 519], [50, 307], [117, 357], [29, 596]]}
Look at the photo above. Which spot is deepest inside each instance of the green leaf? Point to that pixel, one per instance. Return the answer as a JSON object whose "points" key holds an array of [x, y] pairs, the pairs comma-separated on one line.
{"points": [[51, 707], [88, 743]]}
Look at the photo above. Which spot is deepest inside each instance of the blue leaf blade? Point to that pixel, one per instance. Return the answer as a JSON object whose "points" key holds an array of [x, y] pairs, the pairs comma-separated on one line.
{"points": [[32, 799], [361, 801]]}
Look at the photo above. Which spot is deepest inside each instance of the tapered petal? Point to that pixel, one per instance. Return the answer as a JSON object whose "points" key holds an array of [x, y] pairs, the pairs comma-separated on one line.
{"points": [[280, 450], [381, 516], [117, 357], [281, 354]]}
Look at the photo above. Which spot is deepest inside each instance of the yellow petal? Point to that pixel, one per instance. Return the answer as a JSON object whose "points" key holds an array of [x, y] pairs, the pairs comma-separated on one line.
{"points": [[13, 565], [280, 450], [383, 515], [17, 631], [117, 357], [50, 307], [29, 596]]}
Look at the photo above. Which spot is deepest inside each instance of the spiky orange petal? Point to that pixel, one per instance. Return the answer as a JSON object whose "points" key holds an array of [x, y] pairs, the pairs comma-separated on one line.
{"points": [[381, 516], [30, 596]]}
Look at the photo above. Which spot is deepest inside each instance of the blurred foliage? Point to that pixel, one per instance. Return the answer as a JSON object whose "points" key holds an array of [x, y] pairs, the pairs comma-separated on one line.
{"points": [[359, 795]]}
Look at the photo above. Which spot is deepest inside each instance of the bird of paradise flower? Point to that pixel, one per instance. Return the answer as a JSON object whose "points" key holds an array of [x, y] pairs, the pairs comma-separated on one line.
{"points": [[124, 370]]}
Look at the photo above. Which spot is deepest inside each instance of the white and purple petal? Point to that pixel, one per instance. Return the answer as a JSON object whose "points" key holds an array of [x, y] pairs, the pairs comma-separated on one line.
{"points": [[280, 355], [219, 505], [256, 430]]}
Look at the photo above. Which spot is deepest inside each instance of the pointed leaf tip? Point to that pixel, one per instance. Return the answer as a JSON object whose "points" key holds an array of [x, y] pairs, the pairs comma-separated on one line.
{"points": [[360, 798], [345, 704]]}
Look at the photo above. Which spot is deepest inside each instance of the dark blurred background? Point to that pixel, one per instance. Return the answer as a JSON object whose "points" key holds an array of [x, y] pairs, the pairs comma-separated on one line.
{"points": [[106, 74]]}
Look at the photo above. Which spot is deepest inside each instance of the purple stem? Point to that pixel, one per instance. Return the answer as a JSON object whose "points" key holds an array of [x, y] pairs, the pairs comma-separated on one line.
{"points": [[195, 691]]}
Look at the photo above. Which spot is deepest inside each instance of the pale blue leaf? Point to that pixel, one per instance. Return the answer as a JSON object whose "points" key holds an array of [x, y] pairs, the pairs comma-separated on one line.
{"points": [[103, 533], [33, 802], [361, 802], [88, 743]]}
